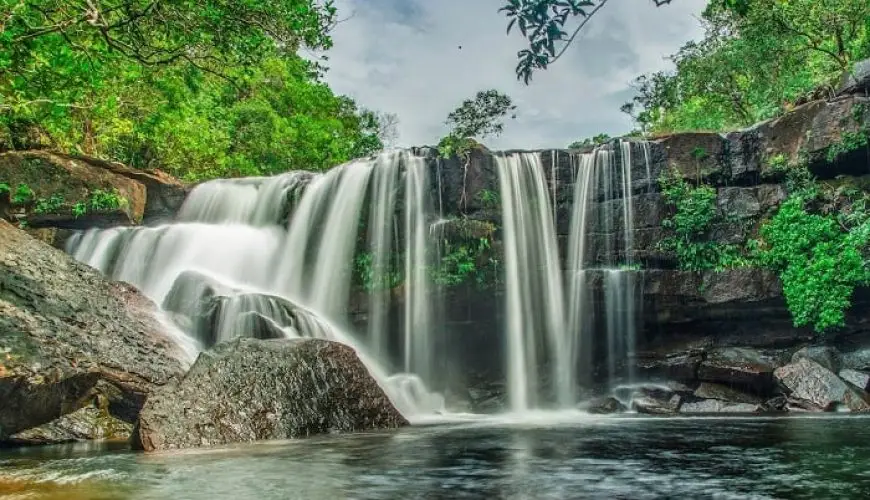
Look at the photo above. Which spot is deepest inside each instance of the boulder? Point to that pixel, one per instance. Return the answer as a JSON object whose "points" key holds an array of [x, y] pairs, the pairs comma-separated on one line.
{"points": [[90, 423], [68, 335], [738, 366], [681, 366], [861, 380], [707, 390], [718, 406], [603, 406], [857, 360], [249, 390], [812, 386], [827, 356], [60, 182], [856, 81], [655, 400]]}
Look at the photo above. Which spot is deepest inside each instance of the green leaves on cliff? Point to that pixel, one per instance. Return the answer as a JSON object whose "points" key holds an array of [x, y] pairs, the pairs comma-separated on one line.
{"points": [[202, 88], [690, 224], [757, 59], [820, 260]]}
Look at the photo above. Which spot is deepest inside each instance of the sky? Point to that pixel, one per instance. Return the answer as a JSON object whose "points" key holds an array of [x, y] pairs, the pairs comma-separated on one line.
{"points": [[404, 57]]}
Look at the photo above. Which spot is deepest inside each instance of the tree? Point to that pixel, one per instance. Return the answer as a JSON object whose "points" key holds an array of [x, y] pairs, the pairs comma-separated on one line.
{"points": [[590, 141], [388, 129], [202, 88], [542, 23], [475, 119], [757, 59]]}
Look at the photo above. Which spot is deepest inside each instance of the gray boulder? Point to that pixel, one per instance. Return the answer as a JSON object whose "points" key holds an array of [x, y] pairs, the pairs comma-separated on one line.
{"points": [[707, 390], [737, 366], [90, 423], [68, 335], [857, 360], [827, 356], [656, 401], [811, 386], [856, 81], [603, 406], [250, 390], [718, 406], [860, 380]]}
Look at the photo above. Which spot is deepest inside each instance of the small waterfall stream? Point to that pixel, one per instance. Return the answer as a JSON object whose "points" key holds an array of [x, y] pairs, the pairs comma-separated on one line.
{"points": [[275, 256]]}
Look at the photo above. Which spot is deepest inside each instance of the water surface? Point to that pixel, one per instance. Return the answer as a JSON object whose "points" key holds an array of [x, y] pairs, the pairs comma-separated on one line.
{"points": [[576, 457]]}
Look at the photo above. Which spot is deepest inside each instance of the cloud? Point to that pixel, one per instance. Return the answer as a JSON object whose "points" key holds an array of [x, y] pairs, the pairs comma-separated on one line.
{"points": [[404, 57]]}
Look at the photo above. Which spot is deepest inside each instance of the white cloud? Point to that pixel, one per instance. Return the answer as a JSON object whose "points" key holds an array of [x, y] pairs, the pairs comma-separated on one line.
{"points": [[403, 56]]}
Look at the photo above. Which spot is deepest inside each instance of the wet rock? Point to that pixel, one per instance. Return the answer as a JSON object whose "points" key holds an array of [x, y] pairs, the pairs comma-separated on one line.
{"points": [[656, 401], [718, 406], [860, 380], [812, 386], [603, 406], [827, 356], [248, 390], [724, 393], [86, 424], [738, 366], [857, 360], [67, 335], [682, 367], [775, 404]]}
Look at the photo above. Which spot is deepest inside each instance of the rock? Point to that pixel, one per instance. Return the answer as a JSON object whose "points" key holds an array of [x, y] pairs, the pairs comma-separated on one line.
{"points": [[775, 404], [656, 401], [724, 393], [675, 367], [68, 335], [147, 196], [215, 312], [86, 424], [737, 366], [860, 380], [856, 81], [718, 406], [827, 356], [602, 406], [812, 386], [248, 390], [857, 360]]}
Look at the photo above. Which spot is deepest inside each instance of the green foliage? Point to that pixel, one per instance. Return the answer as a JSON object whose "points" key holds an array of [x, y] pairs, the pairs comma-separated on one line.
{"points": [[488, 198], [819, 258], [52, 204], [590, 141], [201, 88], [79, 209], [694, 215], [757, 59], [542, 23], [370, 279], [849, 141], [465, 260], [4, 188], [103, 201], [23, 194], [475, 118]]}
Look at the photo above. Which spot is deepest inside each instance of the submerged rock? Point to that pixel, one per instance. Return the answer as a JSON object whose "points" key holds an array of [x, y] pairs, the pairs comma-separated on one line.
{"points": [[603, 406], [68, 335], [813, 387], [718, 406], [249, 390], [738, 366]]}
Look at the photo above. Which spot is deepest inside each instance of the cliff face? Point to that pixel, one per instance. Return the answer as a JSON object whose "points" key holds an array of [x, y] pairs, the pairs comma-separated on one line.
{"points": [[680, 313]]}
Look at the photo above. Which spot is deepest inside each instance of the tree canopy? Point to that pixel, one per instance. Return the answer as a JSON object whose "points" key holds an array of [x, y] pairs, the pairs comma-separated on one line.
{"points": [[202, 88], [476, 118]]}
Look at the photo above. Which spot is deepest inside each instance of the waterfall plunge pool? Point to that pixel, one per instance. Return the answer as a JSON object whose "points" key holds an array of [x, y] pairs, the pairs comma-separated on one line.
{"points": [[538, 456]]}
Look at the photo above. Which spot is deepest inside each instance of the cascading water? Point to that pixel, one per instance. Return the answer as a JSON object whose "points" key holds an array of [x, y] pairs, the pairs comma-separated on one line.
{"points": [[554, 323], [231, 243]]}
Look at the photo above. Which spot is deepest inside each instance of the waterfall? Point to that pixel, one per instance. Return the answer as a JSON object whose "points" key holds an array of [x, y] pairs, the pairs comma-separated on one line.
{"points": [[534, 286], [277, 257], [274, 257]]}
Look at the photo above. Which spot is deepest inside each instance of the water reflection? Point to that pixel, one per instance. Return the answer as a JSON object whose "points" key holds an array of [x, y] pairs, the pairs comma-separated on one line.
{"points": [[591, 458]]}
